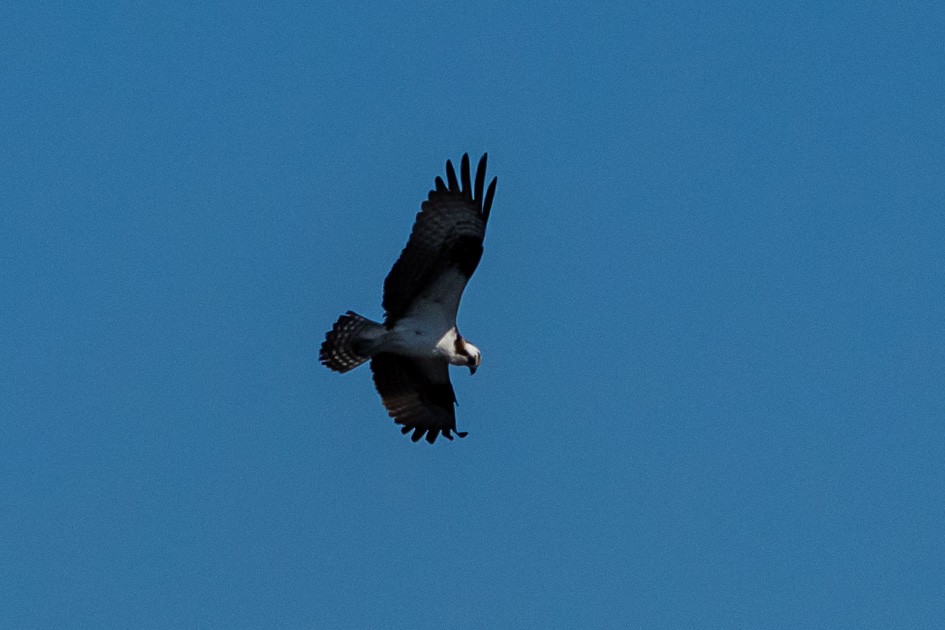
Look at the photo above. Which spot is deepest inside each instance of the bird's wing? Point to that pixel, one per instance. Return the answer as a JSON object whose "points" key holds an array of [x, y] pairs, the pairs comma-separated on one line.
{"points": [[417, 394], [445, 245]]}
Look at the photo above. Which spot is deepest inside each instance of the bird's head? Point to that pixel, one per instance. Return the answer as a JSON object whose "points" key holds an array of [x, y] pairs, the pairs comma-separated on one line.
{"points": [[475, 358], [471, 355]]}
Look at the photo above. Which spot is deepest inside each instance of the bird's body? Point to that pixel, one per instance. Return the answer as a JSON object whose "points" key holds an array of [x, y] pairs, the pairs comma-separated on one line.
{"points": [[411, 351]]}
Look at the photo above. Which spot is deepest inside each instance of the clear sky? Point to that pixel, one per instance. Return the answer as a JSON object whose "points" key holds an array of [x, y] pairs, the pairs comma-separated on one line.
{"points": [[710, 309]]}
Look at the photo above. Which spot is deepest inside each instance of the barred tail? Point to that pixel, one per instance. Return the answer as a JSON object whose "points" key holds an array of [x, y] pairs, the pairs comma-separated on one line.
{"points": [[345, 342]]}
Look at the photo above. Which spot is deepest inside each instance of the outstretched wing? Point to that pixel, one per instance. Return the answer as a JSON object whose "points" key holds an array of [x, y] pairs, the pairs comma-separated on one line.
{"points": [[445, 245], [417, 394]]}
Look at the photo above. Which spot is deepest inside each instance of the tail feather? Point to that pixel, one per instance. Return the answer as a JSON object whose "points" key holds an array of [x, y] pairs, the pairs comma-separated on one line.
{"points": [[344, 343]]}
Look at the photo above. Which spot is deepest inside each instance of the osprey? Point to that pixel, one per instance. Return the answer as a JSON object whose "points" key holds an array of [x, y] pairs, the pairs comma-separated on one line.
{"points": [[412, 350]]}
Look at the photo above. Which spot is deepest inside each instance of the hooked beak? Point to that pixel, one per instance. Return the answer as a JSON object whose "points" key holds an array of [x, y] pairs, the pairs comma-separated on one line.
{"points": [[472, 369]]}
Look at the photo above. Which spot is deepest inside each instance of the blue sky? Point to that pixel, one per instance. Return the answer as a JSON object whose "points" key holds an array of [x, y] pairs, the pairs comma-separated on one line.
{"points": [[710, 310]]}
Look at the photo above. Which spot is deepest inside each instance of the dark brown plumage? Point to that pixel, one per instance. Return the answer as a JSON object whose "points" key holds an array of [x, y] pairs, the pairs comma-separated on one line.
{"points": [[411, 352], [448, 231]]}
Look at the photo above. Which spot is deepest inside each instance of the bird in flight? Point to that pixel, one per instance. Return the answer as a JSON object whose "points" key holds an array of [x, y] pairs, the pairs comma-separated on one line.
{"points": [[412, 350]]}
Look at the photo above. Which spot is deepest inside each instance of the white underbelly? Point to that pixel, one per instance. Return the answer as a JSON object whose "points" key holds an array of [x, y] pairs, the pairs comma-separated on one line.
{"points": [[413, 338]]}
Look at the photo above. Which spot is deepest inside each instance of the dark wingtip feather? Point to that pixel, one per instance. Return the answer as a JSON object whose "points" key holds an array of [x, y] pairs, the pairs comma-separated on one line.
{"points": [[431, 436], [417, 434], [451, 177], [480, 179], [487, 203], [464, 174], [440, 186]]}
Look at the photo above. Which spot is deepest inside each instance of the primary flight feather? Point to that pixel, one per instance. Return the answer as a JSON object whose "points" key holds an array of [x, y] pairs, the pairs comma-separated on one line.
{"points": [[411, 351]]}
